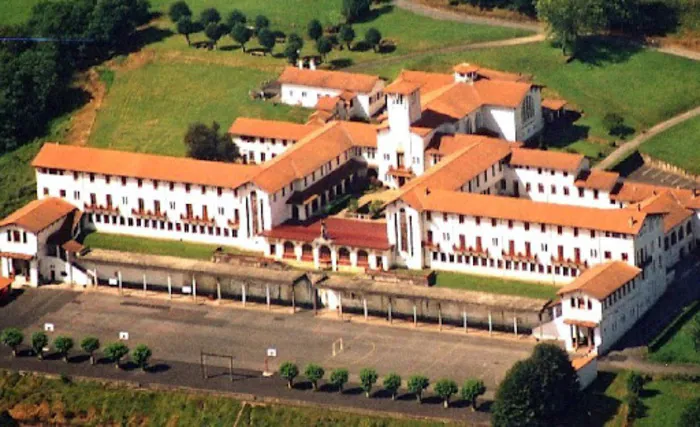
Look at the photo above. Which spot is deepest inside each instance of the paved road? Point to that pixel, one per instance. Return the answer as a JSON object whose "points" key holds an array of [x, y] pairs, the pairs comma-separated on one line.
{"points": [[177, 331], [634, 143], [445, 15]]}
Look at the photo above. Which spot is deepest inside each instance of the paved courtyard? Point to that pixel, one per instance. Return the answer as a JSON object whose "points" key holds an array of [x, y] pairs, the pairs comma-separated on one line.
{"points": [[177, 331], [651, 175]]}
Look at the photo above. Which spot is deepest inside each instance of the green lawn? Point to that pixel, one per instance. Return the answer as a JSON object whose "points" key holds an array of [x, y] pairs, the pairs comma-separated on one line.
{"points": [[664, 401], [149, 108], [676, 345], [153, 246], [14, 12], [644, 86], [37, 400], [495, 285], [679, 145]]}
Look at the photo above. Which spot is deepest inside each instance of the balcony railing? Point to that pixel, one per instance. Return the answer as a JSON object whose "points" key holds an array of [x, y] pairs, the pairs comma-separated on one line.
{"points": [[568, 262], [196, 220], [519, 256], [431, 245], [146, 214], [477, 251], [101, 209], [234, 223]]}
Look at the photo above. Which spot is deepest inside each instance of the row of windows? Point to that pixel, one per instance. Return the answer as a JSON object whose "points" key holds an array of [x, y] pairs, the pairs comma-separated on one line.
{"points": [[619, 293], [16, 236], [163, 225], [284, 142], [507, 265]]}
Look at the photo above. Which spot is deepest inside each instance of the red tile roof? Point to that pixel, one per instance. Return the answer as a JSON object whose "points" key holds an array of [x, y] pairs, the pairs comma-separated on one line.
{"points": [[146, 166], [270, 128], [327, 103], [597, 180], [402, 87], [341, 231], [546, 159], [602, 280], [554, 104], [666, 204], [5, 282], [354, 82], [39, 214], [624, 221]]}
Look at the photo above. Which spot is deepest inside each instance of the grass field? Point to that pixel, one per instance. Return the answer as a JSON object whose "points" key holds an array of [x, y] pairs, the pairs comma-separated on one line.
{"points": [[679, 145], [664, 401], [153, 246], [609, 78], [495, 285], [149, 108], [678, 346], [37, 400]]}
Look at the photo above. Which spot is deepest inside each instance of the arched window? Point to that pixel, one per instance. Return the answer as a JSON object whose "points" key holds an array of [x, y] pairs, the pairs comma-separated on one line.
{"points": [[344, 256], [289, 250]]}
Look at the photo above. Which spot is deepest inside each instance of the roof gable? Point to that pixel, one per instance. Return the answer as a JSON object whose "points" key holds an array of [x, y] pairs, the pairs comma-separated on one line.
{"points": [[39, 214], [602, 280]]}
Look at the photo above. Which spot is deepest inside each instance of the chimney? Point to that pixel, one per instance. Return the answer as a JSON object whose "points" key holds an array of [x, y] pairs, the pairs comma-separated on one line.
{"points": [[631, 221], [427, 191]]}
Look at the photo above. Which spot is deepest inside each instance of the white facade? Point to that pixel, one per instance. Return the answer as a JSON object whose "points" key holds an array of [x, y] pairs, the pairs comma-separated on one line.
{"points": [[365, 105]]}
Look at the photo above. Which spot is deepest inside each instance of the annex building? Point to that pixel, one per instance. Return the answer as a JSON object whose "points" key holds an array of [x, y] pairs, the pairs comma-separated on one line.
{"points": [[457, 189]]}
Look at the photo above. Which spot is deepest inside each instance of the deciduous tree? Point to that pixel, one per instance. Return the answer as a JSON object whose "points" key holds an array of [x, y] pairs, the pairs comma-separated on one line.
{"points": [[186, 26], [261, 22], [347, 35], [392, 384], [289, 371], [141, 355], [267, 40], [445, 388], [691, 414], [373, 38], [179, 10], [568, 20], [236, 17], [115, 352], [314, 373], [241, 34], [209, 16], [214, 32], [339, 377], [353, 10], [324, 46], [39, 341], [90, 345], [314, 30], [368, 377], [417, 384], [471, 390], [206, 143], [63, 345], [12, 337]]}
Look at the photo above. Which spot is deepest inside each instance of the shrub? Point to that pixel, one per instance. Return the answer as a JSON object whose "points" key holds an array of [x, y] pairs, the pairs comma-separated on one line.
{"points": [[612, 122], [63, 345], [289, 371], [115, 351], [635, 407], [635, 383], [445, 388], [90, 345], [179, 10], [314, 29], [691, 414]]}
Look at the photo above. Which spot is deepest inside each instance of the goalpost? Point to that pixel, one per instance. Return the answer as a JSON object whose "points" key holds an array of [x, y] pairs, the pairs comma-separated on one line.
{"points": [[203, 363], [337, 346]]}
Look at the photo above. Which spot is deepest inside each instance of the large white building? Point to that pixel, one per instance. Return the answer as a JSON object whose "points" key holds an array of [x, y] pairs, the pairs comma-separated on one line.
{"points": [[464, 195]]}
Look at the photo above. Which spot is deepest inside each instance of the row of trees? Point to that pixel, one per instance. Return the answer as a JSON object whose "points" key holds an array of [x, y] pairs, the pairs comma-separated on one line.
{"points": [[116, 351], [59, 38], [416, 384]]}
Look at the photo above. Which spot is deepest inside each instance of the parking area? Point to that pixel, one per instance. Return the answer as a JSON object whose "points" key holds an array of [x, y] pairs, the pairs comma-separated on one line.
{"points": [[178, 331], [651, 175]]}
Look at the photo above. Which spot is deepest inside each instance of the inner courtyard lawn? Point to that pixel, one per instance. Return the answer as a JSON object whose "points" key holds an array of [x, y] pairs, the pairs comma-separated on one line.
{"points": [[495, 285], [679, 145], [643, 86], [143, 245]]}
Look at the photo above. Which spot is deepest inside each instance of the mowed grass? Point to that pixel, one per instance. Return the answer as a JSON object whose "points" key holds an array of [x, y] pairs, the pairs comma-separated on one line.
{"points": [[495, 285], [148, 109], [604, 402], [678, 345], [13, 12], [40, 401], [644, 86], [679, 145], [143, 245]]}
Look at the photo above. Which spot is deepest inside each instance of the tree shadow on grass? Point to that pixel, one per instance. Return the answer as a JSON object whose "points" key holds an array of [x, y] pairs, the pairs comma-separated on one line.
{"points": [[600, 50], [230, 47], [336, 64], [375, 13], [149, 35], [595, 408]]}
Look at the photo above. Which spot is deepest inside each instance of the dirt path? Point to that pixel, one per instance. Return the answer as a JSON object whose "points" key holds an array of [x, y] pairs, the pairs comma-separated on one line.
{"points": [[634, 143], [444, 15], [449, 49], [83, 121], [680, 51]]}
